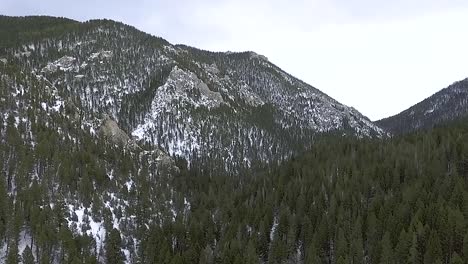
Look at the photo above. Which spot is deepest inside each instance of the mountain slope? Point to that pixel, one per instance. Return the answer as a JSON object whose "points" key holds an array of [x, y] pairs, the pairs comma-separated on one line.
{"points": [[89, 113], [68, 182], [228, 109], [446, 105], [93, 116]]}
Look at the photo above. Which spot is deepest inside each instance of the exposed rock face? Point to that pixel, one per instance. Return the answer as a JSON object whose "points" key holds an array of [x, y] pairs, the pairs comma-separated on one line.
{"points": [[187, 82], [111, 130], [163, 159]]}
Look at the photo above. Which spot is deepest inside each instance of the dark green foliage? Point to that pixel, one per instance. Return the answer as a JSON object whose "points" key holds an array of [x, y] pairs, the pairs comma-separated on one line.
{"points": [[456, 259], [17, 30], [408, 204], [402, 249], [433, 249], [386, 255], [27, 256], [113, 246], [13, 257]]}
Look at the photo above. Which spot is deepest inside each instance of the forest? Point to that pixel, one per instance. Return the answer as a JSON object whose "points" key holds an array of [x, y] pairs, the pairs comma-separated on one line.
{"points": [[347, 200]]}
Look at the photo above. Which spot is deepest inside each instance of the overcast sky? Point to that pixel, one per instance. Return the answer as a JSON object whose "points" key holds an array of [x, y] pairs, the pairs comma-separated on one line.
{"points": [[378, 56]]}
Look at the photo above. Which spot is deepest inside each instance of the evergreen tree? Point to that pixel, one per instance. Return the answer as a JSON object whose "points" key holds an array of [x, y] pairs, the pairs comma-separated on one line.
{"points": [[312, 255], [207, 256], [386, 257], [3, 208], [414, 253], [357, 249], [456, 259], [114, 254], [465, 246], [433, 249], [27, 256], [251, 256], [341, 246], [13, 257], [402, 249]]}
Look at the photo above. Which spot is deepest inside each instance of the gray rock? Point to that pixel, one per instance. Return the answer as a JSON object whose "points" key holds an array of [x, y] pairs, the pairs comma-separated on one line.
{"points": [[111, 130]]}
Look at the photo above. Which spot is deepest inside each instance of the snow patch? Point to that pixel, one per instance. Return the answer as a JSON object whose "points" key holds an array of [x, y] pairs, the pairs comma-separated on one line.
{"points": [[66, 63], [101, 55], [429, 111], [58, 104], [129, 184], [273, 228], [24, 53], [85, 224], [170, 49]]}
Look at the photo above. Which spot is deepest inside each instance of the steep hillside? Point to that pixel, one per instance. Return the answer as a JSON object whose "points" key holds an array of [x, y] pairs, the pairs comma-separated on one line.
{"points": [[229, 109], [108, 136], [69, 182], [446, 105]]}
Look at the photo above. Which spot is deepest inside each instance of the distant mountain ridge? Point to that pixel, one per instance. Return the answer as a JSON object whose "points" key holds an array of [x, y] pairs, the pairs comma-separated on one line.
{"points": [[448, 104]]}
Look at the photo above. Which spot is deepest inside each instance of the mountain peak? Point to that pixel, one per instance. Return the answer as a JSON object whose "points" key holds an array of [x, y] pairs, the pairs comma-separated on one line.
{"points": [[254, 55]]}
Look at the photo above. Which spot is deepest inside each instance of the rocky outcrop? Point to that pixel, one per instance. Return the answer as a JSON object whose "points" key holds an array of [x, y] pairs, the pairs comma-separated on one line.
{"points": [[111, 130]]}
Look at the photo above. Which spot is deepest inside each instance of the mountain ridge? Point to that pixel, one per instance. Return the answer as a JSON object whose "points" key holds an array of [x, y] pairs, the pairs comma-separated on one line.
{"points": [[91, 64], [445, 105]]}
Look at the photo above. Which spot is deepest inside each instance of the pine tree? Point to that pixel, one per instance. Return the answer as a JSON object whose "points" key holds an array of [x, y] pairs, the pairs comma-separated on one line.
{"points": [[402, 249], [251, 256], [113, 245], [341, 245], [372, 241], [465, 246], [278, 250], [13, 257], [312, 255], [27, 257], [3, 209], [341, 260], [414, 253], [206, 256], [433, 249], [456, 259], [386, 257], [357, 249]]}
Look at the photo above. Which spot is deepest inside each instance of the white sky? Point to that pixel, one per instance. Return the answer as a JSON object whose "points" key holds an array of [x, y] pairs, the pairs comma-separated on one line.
{"points": [[379, 56]]}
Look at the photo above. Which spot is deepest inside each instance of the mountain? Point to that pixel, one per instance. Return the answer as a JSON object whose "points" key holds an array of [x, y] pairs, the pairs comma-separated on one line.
{"points": [[446, 105], [109, 135], [119, 147], [238, 109]]}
